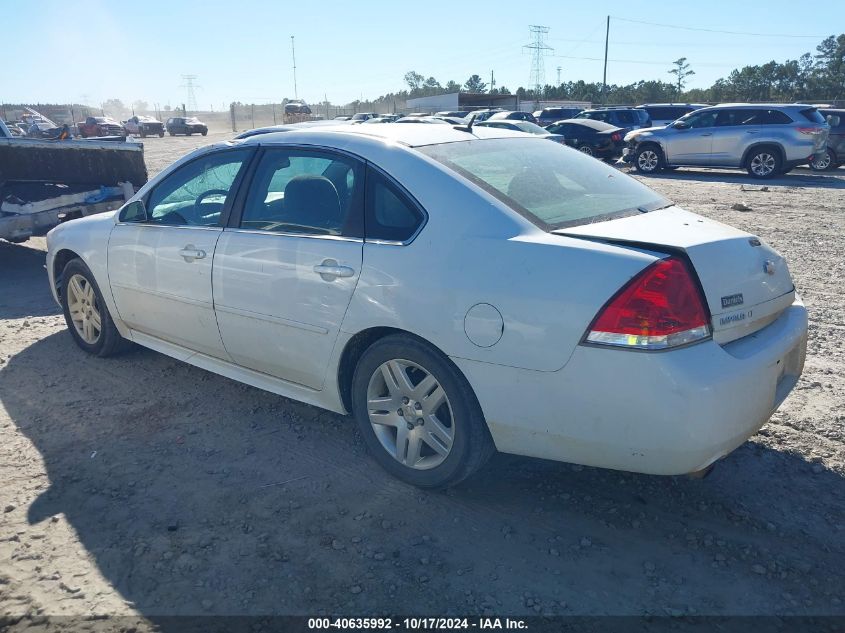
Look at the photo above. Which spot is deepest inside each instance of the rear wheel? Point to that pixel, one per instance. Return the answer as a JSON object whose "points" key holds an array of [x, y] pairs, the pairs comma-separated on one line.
{"points": [[648, 159], [417, 413], [586, 149], [764, 162], [86, 314], [204, 132], [161, 134]]}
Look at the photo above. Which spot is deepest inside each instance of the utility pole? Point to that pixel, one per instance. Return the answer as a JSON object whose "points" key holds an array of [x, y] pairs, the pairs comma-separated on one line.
{"points": [[604, 76], [492, 81], [293, 55], [558, 75], [539, 49]]}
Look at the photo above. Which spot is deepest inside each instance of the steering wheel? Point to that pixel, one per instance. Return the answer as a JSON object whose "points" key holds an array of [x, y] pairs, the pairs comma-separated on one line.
{"points": [[206, 194]]}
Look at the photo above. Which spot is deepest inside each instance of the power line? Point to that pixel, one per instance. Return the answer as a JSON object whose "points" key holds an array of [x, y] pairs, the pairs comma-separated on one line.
{"points": [[538, 48], [293, 55], [695, 28], [639, 61]]}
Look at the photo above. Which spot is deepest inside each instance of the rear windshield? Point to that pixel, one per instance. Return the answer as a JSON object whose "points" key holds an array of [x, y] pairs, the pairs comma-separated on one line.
{"points": [[813, 115], [551, 185]]}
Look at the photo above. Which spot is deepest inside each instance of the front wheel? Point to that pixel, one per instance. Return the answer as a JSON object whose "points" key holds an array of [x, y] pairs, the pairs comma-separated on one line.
{"points": [[586, 149], [417, 413], [648, 160], [764, 163], [161, 134], [86, 314], [205, 132]]}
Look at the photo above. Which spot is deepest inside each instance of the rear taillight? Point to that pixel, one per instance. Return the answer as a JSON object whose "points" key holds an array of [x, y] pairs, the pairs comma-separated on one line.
{"points": [[810, 130], [659, 308], [616, 137]]}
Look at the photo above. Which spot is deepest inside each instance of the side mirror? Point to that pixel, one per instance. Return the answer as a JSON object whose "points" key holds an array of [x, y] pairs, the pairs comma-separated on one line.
{"points": [[680, 125], [133, 212]]}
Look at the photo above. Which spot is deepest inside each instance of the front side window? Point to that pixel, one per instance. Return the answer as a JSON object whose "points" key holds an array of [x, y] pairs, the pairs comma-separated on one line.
{"points": [[300, 191], [549, 184], [196, 193], [700, 119]]}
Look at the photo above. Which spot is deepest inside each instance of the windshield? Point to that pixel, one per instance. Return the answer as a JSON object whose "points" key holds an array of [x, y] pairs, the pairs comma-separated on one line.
{"points": [[551, 185]]}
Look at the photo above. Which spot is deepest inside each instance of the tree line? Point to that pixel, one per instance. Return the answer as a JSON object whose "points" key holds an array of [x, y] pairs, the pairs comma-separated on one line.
{"points": [[818, 76]]}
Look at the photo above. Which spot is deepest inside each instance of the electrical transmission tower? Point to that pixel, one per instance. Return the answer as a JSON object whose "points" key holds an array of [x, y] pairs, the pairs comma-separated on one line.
{"points": [[539, 49], [190, 86]]}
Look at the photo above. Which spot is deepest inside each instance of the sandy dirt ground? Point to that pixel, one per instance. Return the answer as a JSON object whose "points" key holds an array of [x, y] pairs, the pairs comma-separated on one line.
{"points": [[142, 486]]}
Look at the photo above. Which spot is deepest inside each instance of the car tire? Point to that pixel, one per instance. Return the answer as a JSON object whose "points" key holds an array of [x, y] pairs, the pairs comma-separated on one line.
{"points": [[161, 134], [205, 132], [825, 163], [84, 309], [143, 134], [187, 132], [764, 162], [447, 440], [586, 149], [648, 159]]}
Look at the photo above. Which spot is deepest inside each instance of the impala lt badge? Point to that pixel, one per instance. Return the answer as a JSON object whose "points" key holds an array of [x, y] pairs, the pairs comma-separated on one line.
{"points": [[769, 267]]}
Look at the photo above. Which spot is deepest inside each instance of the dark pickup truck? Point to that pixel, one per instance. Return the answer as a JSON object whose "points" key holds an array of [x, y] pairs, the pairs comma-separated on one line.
{"points": [[100, 126]]}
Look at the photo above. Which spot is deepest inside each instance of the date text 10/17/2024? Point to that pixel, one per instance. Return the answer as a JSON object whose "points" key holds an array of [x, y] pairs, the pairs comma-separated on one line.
{"points": [[418, 624]]}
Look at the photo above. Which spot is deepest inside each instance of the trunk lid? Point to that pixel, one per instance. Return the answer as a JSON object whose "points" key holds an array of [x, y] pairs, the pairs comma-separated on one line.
{"points": [[746, 283]]}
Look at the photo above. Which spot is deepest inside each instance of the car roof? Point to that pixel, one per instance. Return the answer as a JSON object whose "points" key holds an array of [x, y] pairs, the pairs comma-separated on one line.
{"points": [[598, 126], [408, 135], [758, 106]]}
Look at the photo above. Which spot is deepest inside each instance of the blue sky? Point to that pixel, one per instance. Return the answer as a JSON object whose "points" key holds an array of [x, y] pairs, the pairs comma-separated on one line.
{"points": [[94, 50]]}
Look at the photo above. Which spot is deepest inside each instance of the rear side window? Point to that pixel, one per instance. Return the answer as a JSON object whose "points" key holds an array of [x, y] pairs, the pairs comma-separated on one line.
{"points": [[774, 117], [812, 115], [390, 215], [298, 191]]}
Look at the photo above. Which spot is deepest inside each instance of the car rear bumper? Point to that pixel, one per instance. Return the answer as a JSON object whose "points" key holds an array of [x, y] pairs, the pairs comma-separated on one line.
{"points": [[665, 413]]}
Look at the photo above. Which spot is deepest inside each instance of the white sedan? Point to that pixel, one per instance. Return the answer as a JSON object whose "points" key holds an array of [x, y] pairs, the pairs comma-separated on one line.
{"points": [[458, 290]]}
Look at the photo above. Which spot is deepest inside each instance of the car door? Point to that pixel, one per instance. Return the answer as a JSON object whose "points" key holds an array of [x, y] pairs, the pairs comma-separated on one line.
{"points": [[286, 266], [735, 130], [691, 144], [160, 261]]}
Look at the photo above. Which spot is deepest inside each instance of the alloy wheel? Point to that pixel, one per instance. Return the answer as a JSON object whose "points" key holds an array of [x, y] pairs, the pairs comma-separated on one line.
{"points": [[823, 162], [83, 309], [410, 414], [647, 160], [586, 149], [763, 164]]}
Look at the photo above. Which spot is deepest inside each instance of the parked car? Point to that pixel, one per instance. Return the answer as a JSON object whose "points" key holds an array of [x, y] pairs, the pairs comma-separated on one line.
{"points": [[453, 114], [662, 114], [144, 126], [766, 140], [521, 126], [342, 117], [594, 138], [483, 115], [360, 117], [547, 116], [421, 119], [186, 126], [567, 312], [513, 116], [631, 118], [834, 154], [100, 126]]}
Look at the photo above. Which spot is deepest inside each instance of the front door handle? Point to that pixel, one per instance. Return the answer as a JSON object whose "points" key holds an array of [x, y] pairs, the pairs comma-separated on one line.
{"points": [[707, 134], [191, 252], [751, 131], [330, 270]]}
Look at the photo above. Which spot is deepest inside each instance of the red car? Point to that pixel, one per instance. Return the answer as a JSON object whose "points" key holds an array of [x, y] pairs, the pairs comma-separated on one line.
{"points": [[100, 126]]}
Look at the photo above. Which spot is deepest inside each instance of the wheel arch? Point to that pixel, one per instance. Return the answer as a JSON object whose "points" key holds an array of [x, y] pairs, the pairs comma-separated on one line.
{"points": [[60, 260], [355, 348], [773, 144]]}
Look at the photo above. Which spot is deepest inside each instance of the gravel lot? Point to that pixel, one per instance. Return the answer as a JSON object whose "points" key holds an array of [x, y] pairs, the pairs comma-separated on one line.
{"points": [[143, 486]]}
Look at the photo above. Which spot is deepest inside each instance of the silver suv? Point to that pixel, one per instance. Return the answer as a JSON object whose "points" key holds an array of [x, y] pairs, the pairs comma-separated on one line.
{"points": [[765, 139]]}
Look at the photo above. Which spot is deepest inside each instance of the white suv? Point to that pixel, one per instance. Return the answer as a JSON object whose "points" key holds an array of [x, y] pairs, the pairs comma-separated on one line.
{"points": [[765, 139]]}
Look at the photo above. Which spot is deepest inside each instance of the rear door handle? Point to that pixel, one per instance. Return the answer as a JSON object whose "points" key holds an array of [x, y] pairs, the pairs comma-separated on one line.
{"points": [[751, 131], [707, 134], [191, 252], [330, 270]]}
